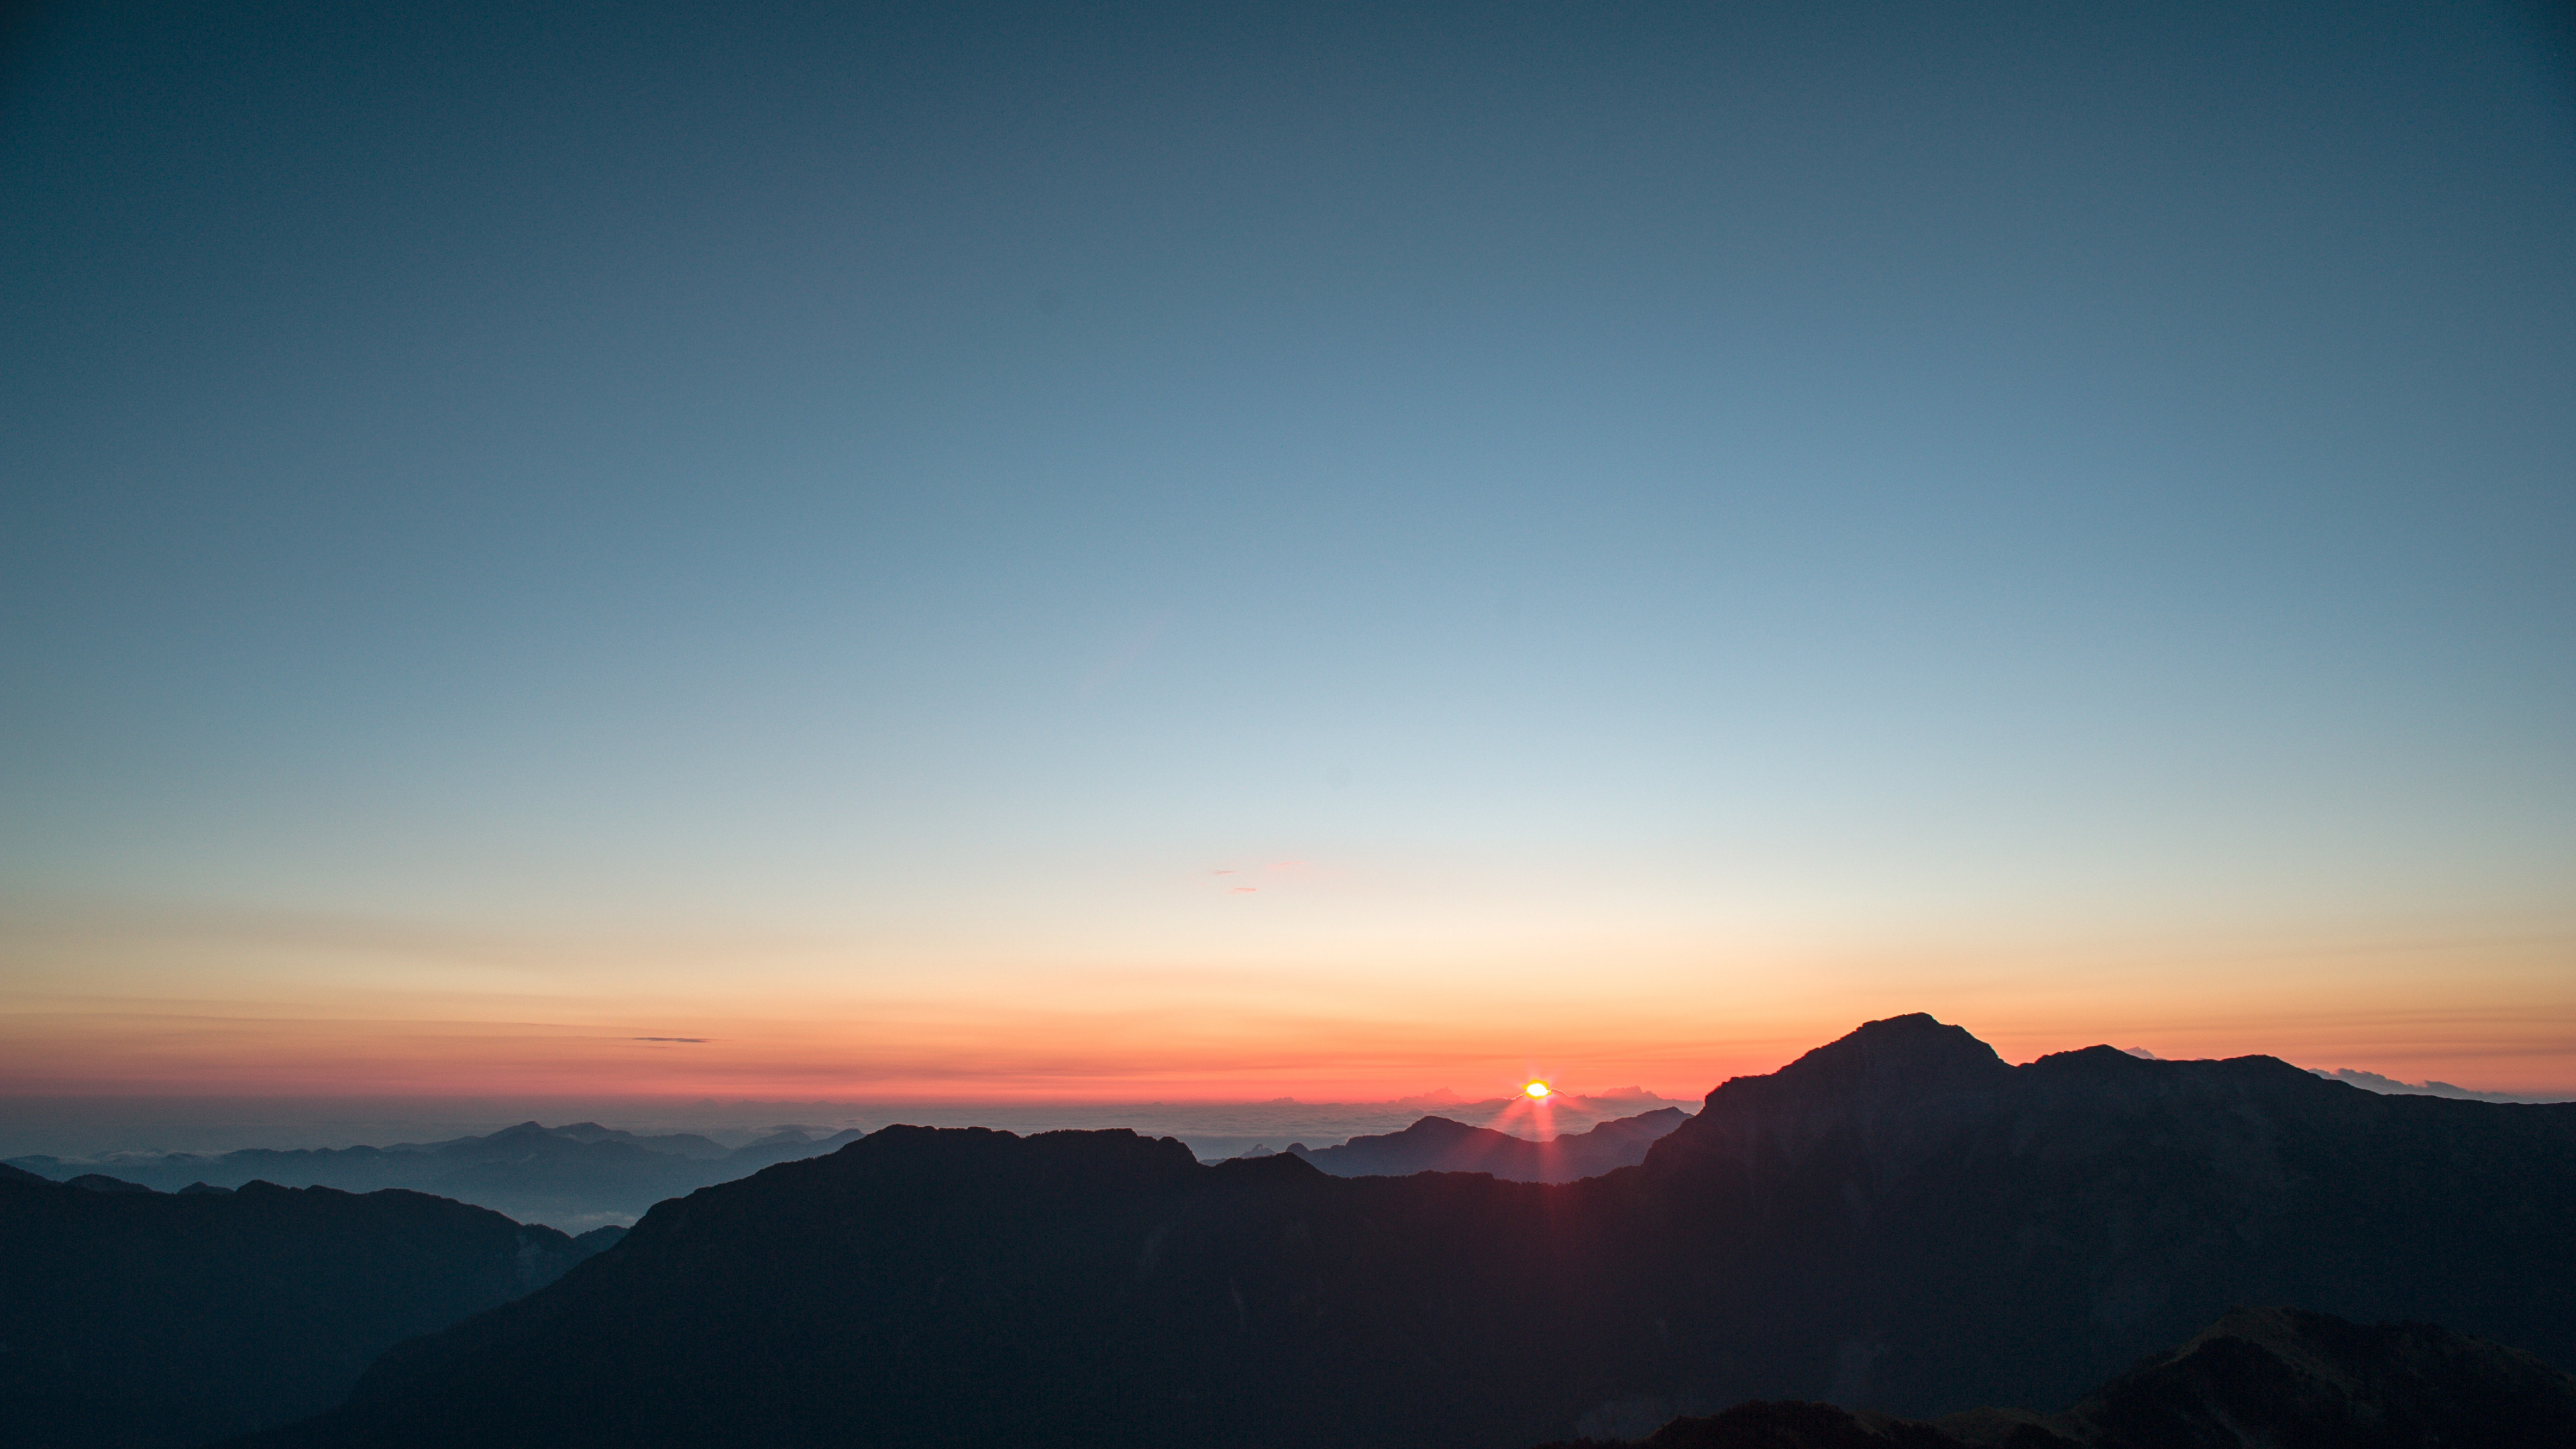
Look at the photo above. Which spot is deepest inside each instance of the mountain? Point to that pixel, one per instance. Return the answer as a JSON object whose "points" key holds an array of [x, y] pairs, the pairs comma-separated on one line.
{"points": [[778, 1147], [2090, 1204], [597, 1240], [572, 1176], [131, 1319], [2271, 1378], [1897, 1222], [2283, 1379], [1439, 1144], [676, 1144]]}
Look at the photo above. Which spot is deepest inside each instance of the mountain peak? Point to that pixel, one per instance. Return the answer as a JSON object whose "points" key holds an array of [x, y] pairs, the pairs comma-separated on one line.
{"points": [[1912, 1051], [1915, 1066]]}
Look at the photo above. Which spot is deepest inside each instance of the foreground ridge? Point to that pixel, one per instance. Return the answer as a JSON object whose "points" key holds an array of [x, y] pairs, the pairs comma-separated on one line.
{"points": [[132, 1319], [2259, 1378]]}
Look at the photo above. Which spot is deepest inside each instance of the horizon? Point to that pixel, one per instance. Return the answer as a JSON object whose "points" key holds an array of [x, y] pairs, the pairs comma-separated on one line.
{"points": [[103, 1127]]}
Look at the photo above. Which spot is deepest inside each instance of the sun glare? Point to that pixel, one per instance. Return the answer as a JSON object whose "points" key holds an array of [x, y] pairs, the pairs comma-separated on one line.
{"points": [[1538, 1091]]}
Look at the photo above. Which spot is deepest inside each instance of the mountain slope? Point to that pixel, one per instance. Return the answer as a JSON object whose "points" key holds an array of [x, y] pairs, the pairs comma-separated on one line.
{"points": [[2283, 1379], [573, 1175], [1440, 1144], [2268, 1378], [1898, 1221], [135, 1318]]}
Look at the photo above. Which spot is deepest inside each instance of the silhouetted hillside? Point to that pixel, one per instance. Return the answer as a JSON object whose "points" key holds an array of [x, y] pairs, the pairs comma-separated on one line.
{"points": [[567, 1175], [1897, 1221], [2270, 1378], [1438, 1144], [2284, 1379], [138, 1319]]}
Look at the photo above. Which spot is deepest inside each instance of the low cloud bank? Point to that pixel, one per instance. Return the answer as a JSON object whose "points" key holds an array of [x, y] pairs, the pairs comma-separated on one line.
{"points": [[2390, 1086]]}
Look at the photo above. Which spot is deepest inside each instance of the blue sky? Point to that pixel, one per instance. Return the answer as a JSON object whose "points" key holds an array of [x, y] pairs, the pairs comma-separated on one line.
{"points": [[1622, 496]]}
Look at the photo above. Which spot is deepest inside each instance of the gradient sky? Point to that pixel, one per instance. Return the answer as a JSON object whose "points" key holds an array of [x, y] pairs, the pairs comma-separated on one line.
{"points": [[1239, 550]]}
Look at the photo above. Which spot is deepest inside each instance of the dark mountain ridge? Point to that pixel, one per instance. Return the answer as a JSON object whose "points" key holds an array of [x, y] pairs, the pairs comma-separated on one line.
{"points": [[574, 1175], [131, 1319], [1443, 1144], [1898, 1221]]}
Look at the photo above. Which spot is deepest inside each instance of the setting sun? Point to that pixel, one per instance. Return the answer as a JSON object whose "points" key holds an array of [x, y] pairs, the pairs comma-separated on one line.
{"points": [[1538, 1091]]}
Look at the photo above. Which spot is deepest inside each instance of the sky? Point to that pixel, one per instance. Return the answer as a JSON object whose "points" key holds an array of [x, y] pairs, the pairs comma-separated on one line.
{"points": [[1217, 552]]}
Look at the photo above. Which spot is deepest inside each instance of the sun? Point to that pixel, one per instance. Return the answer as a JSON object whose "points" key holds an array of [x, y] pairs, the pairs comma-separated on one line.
{"points": [[1538, 1091]]}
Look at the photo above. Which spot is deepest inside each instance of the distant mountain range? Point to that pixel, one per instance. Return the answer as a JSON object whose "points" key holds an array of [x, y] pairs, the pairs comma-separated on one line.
{"points": [[1440, 1144], [2272, 1378], [577, 1176], [131, 1319], [1898, 1222]]}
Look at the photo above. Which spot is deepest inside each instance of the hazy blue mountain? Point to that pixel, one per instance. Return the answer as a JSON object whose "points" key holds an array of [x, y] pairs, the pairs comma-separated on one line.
{"points": [[1897, 1222], [1441, 1144], [787, 1146], [131, 1319], [2269, 1378], [678, 1144], [599, 1240], [571, 1176]]}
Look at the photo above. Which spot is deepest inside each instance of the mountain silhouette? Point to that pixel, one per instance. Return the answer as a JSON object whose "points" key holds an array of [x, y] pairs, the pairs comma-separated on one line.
{"points": [[131, 1319], [572, 1175], [1897, 1222], [2271, 1378], [1440, 1144]]}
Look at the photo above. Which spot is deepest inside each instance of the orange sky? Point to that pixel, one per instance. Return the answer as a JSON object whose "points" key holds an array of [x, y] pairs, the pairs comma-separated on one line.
{"points": [[101, 1003]]}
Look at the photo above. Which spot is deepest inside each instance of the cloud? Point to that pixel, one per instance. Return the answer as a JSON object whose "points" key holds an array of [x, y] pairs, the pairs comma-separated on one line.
{"points": [[672, 1038], [2390, 1086]]}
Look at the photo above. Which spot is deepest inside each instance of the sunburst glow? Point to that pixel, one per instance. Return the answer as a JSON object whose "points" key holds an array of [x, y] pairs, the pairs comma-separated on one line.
{"points": [[1538, 1091]]}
